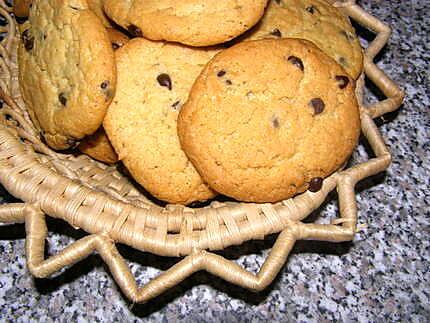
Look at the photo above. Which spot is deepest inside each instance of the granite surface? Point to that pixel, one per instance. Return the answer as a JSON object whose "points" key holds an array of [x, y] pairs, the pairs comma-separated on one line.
{"points": [[381, 276]]}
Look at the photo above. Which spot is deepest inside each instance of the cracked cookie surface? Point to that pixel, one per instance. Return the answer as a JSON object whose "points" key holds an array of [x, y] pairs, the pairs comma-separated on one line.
{"points": [[316, 21], [67, 70], [191, 22], [154, 80], [267, 119]]}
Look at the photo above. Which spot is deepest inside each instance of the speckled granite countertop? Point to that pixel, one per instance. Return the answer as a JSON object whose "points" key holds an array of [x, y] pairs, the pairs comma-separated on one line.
{"points": [[382, 275]]}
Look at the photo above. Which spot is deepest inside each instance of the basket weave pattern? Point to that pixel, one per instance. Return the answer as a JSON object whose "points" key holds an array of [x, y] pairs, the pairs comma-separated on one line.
{"points": [[104, 203]]}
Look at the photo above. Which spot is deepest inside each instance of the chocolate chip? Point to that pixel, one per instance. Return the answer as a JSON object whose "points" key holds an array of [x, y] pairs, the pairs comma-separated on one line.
{"points": [[278, 1], [221, 73], [275, 122], [135, 31], [315, 184], [312, 9], [296, 62], [28, 40], [104, 85], [176, 105], [164, 80], [342, 81], [107, 90], [318, 105], [62, 98], [276, 32], [228, 82]]}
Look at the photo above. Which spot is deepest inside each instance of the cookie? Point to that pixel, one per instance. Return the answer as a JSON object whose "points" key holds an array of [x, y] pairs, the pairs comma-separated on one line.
{"points": [[268, 119], [67, 71], [154, 80], [21, 8], [191, 22], [316, 21], [99, 147]]}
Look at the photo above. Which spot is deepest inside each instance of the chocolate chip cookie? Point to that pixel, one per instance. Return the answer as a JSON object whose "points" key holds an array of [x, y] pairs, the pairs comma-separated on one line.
{"points": [[67, 71], [154, 80], [316, 21], [268, 119], [191, 22]]}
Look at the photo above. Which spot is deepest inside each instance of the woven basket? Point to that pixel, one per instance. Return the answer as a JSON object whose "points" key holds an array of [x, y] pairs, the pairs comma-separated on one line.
{"points": [[107, 205]]}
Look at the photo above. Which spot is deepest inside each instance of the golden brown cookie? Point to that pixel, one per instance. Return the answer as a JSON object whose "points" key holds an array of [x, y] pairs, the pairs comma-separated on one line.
{"points": [[154, 80], [191, 22], [268, 119], [67, 70], [99, 147], [316, 21]]}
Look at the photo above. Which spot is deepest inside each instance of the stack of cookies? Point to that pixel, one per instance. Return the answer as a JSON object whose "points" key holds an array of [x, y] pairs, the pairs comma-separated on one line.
{"points": [[252, 99]]}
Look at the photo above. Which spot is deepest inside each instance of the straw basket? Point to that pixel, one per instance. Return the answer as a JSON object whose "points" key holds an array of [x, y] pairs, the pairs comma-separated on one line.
{"points": [[107, 205]]}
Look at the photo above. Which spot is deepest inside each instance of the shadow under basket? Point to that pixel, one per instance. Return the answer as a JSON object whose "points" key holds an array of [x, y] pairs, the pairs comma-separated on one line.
{"points": [[106, 204]]}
